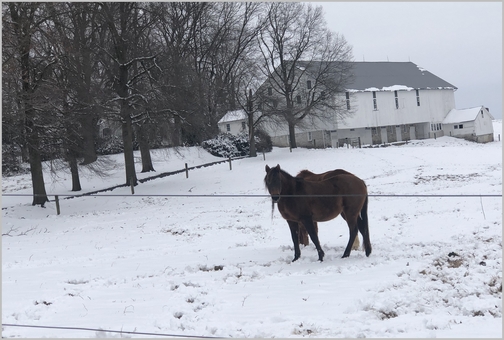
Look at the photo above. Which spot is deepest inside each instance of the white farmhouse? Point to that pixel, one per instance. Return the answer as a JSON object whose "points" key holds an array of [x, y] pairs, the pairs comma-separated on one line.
{"points": [[388, 102], [233, 122]]}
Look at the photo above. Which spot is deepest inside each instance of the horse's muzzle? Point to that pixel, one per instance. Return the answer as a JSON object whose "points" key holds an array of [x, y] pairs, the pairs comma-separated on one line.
{"points": [[275, 198]]}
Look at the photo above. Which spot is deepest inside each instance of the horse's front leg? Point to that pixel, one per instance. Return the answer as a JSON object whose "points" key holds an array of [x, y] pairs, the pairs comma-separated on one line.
{"points": [[312, 229], [294, 228]]}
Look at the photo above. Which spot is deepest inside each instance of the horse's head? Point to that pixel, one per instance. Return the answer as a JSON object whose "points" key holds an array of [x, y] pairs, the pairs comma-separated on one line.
{"points": [[273, 182]]}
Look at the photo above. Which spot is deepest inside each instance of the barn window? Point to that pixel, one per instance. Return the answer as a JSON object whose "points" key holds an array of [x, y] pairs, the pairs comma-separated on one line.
{"points": [[396, 100], [243, 126], [417, 97], [322, 95], [375, 104], [347, 100], [461, 126], [228, 127], [308, 84], [482, 114], [310, 136], [298, 99], [455, 127]]}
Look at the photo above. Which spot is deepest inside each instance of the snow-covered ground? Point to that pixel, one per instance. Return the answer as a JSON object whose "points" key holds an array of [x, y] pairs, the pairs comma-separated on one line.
{"points": [[221, 266]]}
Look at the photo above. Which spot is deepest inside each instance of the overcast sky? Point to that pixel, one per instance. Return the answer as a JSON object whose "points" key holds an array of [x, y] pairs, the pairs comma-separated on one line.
{"points": [[460, 42]]}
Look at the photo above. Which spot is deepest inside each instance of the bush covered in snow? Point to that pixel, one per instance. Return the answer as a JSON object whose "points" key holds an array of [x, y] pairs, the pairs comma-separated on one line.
{"points": [[228, 145]]}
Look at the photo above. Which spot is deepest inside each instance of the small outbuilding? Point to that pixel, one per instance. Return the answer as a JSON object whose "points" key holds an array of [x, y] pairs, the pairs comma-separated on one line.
{"points": [[233, 122], [473, 124]]}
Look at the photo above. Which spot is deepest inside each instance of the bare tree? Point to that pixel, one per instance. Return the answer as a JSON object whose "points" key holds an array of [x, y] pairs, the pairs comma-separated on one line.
{"points": [[128, 23], [26, 20], [306, 65], [75, 36]]}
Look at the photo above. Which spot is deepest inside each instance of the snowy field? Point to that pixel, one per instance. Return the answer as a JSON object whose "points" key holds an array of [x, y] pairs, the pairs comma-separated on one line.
{"points": [[221, 266]]}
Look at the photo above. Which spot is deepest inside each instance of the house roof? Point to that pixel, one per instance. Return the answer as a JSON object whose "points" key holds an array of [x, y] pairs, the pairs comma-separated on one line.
{"points": [[232, 116], [463, 115], [393, 76]]}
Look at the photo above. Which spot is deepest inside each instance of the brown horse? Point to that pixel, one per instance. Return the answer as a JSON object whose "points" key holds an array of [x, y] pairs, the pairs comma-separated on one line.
{"points": [[306, 202], [310, 176]]}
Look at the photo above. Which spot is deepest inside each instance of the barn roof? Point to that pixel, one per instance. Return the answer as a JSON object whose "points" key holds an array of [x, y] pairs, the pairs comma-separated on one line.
{"points": [[387, 76], [464, 115], [393, 76]]}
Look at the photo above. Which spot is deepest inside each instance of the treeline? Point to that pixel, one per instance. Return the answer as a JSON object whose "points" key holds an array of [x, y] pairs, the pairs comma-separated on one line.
{"points": [[162, 73]]}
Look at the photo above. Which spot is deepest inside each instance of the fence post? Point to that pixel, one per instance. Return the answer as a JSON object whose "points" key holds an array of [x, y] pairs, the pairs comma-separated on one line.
{"points": [[359, 143], [132, 186], [264, 155], [186, 171], [230, 167], [347, 146], [56, 198]]}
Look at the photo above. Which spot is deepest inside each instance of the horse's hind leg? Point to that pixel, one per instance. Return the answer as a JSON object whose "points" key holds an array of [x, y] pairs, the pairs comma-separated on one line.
{"points": [[362, 223], [304, 237], [294, 228], [356, 243], [353, 234], [312, 229]]}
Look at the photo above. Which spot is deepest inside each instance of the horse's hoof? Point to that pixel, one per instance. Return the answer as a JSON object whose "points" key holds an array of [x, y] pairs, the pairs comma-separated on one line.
{"points": [[345, 255], [295, 258]]}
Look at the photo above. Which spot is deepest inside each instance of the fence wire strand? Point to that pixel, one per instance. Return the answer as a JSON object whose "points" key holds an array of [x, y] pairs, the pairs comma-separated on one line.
{"points": [[250, 196], [111, 331]]}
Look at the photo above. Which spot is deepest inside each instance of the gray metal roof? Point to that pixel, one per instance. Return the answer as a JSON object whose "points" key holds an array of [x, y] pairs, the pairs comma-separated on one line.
{"points": [[387, 74]]}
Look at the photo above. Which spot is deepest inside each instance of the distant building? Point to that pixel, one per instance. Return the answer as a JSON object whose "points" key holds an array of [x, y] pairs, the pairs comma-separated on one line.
{"points": [[472, 124], [387, 102], [233, 122]]}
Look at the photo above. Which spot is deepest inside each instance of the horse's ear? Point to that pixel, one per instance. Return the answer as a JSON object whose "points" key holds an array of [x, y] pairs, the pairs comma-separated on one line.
{"points": [[278, 167], [267, 168]]}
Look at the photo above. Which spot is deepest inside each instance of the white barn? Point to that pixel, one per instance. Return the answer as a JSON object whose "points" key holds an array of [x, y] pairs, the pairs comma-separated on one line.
{"points": [[473, 124], [387, 102]]}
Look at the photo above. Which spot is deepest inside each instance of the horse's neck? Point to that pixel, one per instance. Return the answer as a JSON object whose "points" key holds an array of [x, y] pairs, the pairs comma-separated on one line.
{"points": [[288, 183]]}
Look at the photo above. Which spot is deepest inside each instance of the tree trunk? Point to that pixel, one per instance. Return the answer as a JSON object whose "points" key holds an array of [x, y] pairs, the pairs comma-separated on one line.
{"points": [[74, 170], [129, 160], [88, 147], [143, 141], [37, 176], [252, 146], [292, 136]]}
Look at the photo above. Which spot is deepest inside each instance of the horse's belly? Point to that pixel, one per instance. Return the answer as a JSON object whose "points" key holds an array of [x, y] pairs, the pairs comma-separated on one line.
{"points": [[323, 214]]}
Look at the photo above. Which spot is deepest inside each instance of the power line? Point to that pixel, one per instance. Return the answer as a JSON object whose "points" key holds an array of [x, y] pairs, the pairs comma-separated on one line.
{"points": [[111, 331]]}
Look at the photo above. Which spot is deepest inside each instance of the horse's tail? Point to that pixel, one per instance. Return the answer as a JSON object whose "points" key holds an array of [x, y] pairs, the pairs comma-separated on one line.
{"points": [[362, 223]]}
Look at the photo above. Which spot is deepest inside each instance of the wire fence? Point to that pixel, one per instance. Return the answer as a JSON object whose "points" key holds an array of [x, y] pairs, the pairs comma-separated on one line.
{"points": [[254, 196], [111, 331]]}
